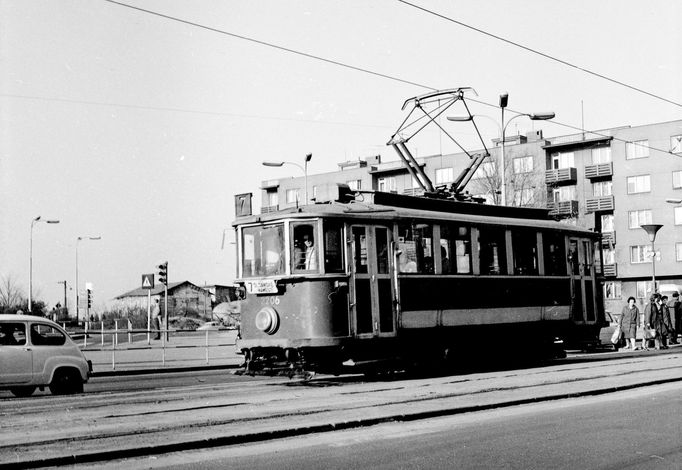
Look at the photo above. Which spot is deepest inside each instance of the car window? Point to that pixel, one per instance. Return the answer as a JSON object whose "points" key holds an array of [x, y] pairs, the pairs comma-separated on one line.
{"points": [[46, 335], [12, 334]]}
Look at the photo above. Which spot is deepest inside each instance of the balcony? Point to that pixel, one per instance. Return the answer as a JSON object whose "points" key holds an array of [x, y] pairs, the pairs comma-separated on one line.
{"points": [[599, 170], [611, 270], [561, 176], [563, 208], [266, 209], [598, 204], [608, 239]]}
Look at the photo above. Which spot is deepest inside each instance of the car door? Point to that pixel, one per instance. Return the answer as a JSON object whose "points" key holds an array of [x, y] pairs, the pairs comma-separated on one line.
{"points": [[16, 355]]}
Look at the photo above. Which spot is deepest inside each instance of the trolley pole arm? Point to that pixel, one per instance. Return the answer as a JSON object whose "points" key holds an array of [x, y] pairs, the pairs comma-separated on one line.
{"points": [[427, 185]]}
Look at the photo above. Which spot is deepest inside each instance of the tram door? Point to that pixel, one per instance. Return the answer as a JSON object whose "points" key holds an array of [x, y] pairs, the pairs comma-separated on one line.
{"points": [[371, 296], [582, 280]]}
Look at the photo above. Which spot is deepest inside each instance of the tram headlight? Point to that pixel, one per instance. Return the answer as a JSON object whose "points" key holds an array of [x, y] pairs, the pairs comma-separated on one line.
{"points": [[267, 320]]}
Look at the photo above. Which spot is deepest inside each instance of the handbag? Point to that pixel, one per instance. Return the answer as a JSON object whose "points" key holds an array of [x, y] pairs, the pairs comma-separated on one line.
{"points": [[649, 333], [615, 337]]}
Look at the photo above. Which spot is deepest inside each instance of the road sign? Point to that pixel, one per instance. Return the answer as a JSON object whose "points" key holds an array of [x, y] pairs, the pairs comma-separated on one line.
{"points": [[147, 281]]}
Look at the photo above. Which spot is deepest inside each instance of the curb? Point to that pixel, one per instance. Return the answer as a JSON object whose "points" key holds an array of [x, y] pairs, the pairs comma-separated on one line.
{"points": [[305, 430], [166, 370]]}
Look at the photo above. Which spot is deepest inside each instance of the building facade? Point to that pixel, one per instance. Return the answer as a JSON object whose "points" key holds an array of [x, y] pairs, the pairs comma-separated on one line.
{"points": [[612, 181]]}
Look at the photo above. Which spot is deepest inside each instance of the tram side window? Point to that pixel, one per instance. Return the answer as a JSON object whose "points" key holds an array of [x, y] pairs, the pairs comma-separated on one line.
{"points": [[493, 256], [263, 250], [333, 247], [415, 241], [455, 249], [525, 252], [555, 254], [304, 256]]}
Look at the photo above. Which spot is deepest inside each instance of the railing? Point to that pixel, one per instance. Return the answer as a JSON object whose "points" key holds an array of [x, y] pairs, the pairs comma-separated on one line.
{"points": [[266, 209], [611, 270], [599, 170], [563, 208], [577, 138], [145, 353], [608, 238], [561, 176], [601, 203]]}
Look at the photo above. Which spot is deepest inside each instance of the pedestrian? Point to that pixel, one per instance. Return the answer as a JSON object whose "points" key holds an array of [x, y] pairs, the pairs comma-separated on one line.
{"points": [[667, 322], [656, 320], [677, 317], [156, 315], [627, 322]]}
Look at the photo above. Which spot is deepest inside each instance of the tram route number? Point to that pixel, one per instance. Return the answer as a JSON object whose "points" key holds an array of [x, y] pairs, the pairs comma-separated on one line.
{"points": [[261, 286]]}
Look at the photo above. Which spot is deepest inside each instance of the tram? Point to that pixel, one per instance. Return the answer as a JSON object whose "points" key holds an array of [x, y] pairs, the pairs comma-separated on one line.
{"points": [[373, 277]]}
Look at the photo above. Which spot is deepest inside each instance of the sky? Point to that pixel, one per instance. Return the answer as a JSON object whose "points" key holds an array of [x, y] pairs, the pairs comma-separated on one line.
{"points": [[140, 129]]}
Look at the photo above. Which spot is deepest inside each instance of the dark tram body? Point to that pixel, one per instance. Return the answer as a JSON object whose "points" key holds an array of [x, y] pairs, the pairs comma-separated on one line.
{"points": [[386, 277]]}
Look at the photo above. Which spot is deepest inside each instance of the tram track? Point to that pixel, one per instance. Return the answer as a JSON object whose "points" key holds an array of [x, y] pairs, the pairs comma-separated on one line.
{"points": [[138, 423]]}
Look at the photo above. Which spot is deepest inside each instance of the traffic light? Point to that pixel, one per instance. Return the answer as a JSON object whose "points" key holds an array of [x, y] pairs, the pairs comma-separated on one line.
{"points": [[89, 298], [163, 273]]}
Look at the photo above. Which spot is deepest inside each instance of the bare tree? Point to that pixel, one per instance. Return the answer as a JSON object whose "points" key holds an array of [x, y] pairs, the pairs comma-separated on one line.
{"points": [[526, 188], [11, 295]]}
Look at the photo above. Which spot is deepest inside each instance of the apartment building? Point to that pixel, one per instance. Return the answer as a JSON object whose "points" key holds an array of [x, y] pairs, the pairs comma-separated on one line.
{"points": [[612, 181]]}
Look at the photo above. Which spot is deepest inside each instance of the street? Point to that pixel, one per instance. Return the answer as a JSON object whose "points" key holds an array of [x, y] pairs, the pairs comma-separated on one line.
{"points": [[157, 415], [634, 429]]}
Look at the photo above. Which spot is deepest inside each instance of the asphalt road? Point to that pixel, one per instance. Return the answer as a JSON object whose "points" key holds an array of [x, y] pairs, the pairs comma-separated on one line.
{"points": [[640, 428]]}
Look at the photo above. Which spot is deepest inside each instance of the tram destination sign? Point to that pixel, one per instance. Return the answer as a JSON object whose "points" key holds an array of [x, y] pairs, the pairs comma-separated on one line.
{"points": [[261, 286]]}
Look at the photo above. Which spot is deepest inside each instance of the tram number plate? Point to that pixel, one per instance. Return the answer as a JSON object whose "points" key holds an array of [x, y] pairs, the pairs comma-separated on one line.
{"points": [[261, 286]]}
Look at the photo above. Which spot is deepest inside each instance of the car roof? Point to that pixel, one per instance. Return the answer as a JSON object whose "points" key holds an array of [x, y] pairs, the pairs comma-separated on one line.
{"points": [[10, 317]]}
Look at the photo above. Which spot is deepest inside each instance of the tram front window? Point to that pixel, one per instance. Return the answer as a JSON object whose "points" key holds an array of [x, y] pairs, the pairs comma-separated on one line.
{"points": [[305, 254], [263, 251]]}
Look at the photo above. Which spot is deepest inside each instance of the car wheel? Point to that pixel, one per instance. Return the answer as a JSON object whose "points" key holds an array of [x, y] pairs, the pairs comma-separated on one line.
{"points": [[22, 391], [66, 381]]}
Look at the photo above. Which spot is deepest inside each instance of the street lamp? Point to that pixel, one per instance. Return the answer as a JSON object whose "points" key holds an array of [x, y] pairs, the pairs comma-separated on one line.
{"points": [[30, 261], [651, 230], [504, 98], [76, 285], [303, 168]]}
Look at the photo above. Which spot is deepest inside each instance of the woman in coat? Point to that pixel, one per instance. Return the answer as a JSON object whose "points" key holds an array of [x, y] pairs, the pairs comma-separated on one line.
{"points": [[627, 322]]}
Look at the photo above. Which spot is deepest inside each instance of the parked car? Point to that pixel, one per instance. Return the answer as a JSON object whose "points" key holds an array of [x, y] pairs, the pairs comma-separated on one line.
{"points": [[36, 353]]}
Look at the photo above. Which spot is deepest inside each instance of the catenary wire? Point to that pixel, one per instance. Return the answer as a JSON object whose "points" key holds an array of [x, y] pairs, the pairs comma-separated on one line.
{"points": [[542, 54]]}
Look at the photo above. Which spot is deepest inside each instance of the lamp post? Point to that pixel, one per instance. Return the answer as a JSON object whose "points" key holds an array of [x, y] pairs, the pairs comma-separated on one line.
{"points": [[303, 168], [30, 261], [651, 230], [76, 284], [502, 126]]}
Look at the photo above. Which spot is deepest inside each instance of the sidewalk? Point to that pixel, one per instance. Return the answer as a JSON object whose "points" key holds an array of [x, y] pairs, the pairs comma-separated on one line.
{"points": [[184, 351]]}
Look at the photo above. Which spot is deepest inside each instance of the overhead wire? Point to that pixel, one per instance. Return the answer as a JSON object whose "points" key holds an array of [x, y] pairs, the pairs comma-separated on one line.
{"points": [[389, 77], [542, 54]]}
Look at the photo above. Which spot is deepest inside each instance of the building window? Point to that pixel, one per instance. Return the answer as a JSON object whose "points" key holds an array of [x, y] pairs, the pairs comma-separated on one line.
{"points": [[607, 223], [563, 160], [315, 192], [639, 184], [354, 185], [273, 198], [523, 197], [637, 149], [564, 193], [638, 218], [676, 144], [444, 175], [642, 288], [678, 215], [601, 155], [602, 188], [292, 196], [609, 255], [612, 290], [678, 251], [388, 184], [640, 254], [677, 179], [523, 165]]}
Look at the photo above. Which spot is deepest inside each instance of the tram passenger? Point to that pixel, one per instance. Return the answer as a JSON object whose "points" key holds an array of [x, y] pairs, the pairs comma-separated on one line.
{"points": [[628, 323], [405, 264]]}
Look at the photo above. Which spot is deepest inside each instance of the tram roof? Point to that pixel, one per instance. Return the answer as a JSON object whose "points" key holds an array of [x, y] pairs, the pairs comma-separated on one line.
{"points": [[377, 205]]}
